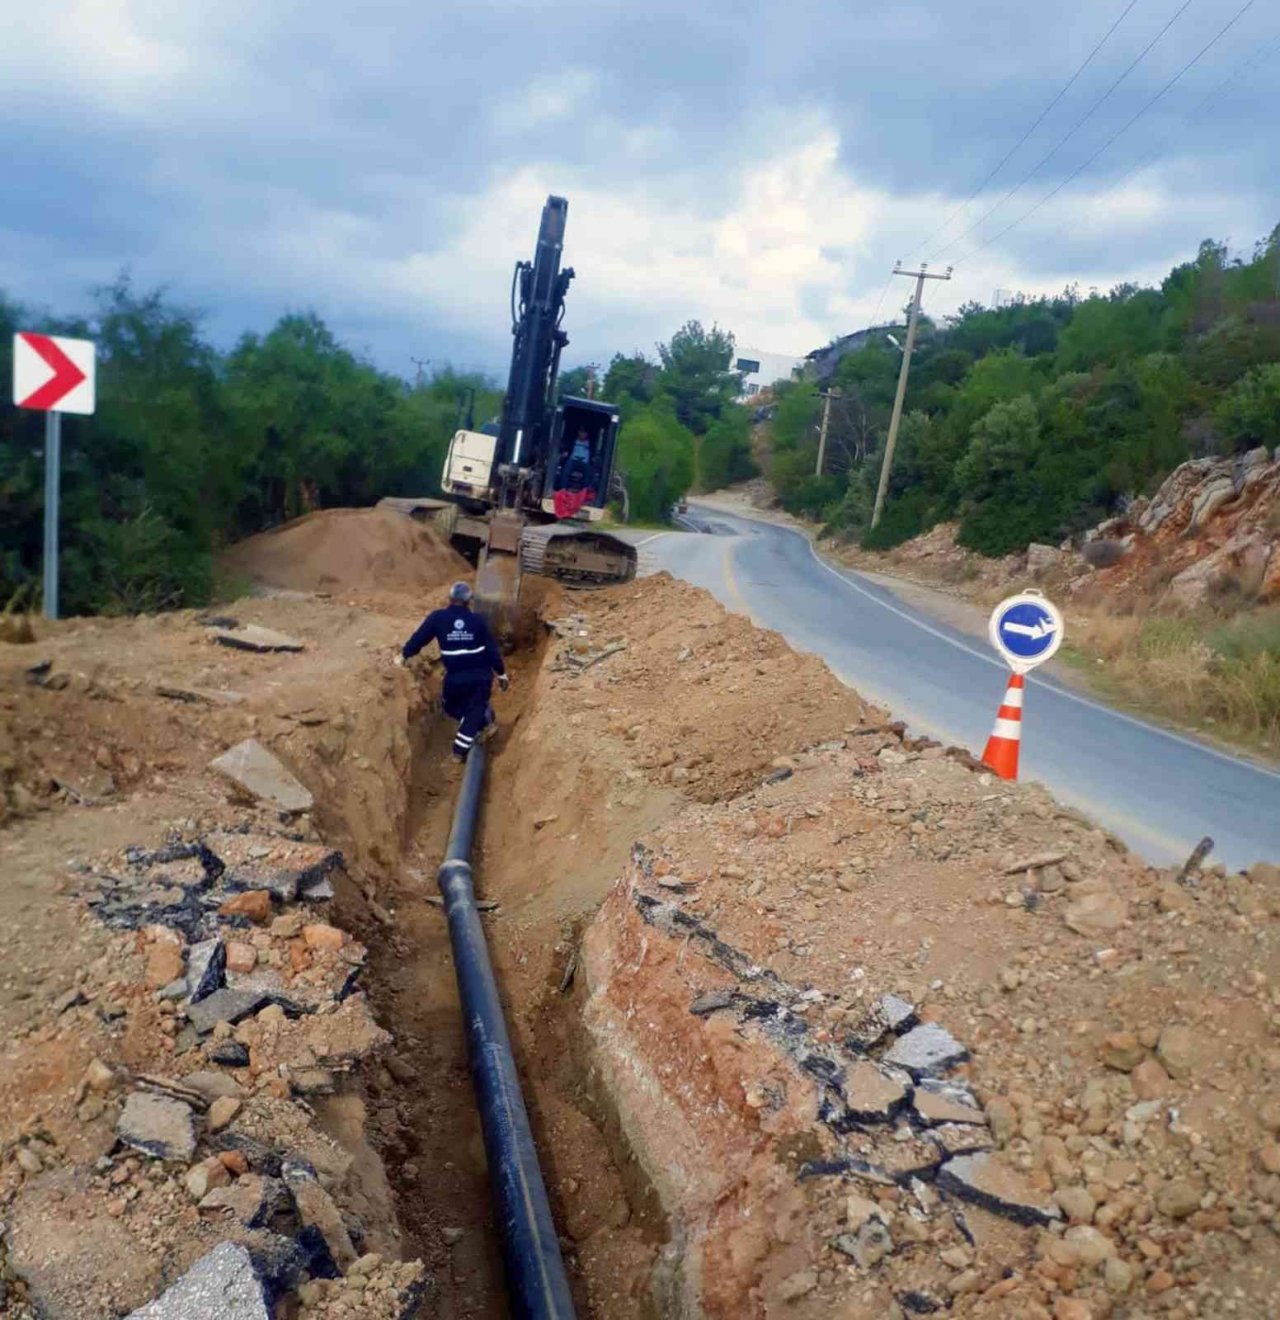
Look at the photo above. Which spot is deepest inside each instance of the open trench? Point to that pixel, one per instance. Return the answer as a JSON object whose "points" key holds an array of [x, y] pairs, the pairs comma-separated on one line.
{"points": [[546, 870]]}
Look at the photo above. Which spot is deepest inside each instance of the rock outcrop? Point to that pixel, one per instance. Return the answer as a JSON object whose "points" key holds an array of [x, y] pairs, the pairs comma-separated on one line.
{"points": [[1213, 526]]}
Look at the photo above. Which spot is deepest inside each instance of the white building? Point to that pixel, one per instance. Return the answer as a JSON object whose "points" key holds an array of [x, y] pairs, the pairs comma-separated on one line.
{"points": [[760, 370]]}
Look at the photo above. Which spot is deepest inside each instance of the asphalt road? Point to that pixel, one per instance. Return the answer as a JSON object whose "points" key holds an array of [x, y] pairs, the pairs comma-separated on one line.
{"points": [[1158, 790]]}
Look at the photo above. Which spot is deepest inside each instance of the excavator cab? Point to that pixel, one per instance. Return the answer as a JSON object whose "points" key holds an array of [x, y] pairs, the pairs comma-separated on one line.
{"points": [[580, 454]]}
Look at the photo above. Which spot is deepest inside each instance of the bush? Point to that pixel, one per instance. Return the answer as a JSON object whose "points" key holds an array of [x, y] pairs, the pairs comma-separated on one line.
{"points": [[655, 455], [1249, 415], [724, 453], [138, 566]]}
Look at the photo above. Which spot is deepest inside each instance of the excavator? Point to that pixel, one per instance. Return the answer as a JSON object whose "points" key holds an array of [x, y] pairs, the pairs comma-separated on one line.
{"points": [[527, 489]]}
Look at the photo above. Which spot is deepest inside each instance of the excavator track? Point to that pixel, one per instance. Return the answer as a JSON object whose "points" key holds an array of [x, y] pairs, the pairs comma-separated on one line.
{"points": [[576, 555]]}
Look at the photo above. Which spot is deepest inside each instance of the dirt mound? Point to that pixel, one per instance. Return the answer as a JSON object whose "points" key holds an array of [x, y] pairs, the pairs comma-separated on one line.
{"points": [[348, 550]]}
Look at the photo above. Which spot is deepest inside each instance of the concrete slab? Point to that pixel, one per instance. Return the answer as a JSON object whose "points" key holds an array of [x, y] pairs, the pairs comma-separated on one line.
{"points": [[251, 767], [251, 637]]}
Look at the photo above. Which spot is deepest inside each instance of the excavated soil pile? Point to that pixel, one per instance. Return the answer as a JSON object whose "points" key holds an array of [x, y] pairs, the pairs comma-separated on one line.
{"points": [[887, 1036], [813, 1020], [346, 550], [183, 1024]]}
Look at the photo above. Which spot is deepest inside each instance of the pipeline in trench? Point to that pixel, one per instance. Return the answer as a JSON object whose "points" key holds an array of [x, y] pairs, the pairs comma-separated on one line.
{"points": [[424, 1115]]}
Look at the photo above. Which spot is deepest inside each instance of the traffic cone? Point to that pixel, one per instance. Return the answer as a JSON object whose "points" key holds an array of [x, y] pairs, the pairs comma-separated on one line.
{"points": [[1002, 747]]}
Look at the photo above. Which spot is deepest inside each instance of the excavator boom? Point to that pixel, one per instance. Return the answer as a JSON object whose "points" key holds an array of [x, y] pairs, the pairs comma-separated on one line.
{"points": [[530, 488]]}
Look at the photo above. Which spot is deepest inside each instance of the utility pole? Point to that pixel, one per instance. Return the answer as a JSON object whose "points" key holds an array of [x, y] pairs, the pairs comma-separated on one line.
{"points": [[422, 364], [920, 276], [827, 396]]}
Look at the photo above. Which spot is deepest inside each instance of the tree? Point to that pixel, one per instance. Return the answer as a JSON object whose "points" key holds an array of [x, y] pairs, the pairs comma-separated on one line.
{"points": [[696, 374], [1000, 502], [577, 382], [630, 376]]}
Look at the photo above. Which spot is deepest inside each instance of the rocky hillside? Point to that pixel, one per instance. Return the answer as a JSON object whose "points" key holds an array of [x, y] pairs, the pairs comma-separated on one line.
{"points": [[1213, 527], [1211, 531]]}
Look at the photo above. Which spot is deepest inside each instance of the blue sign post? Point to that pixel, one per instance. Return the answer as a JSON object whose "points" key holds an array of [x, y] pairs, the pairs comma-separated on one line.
{"points": [[1026, 630]]}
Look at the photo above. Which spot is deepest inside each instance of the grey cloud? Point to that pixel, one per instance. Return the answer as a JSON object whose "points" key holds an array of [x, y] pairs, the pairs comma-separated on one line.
{"points": [[304, 153]]}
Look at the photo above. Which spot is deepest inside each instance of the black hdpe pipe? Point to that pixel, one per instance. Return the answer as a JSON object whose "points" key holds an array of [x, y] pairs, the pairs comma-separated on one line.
{"points": [[536, 1278]]}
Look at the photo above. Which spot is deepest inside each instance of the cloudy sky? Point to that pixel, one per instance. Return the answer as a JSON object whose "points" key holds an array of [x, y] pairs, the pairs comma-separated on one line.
{"points": [[763, 166]]}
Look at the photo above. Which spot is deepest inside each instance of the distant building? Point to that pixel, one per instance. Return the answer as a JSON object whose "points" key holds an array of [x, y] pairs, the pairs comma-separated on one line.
{"points": [[759, 370], [824, 359]]}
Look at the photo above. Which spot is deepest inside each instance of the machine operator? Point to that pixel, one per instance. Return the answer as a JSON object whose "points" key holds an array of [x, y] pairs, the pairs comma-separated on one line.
{"points": [[471, 659], [575, 471]]}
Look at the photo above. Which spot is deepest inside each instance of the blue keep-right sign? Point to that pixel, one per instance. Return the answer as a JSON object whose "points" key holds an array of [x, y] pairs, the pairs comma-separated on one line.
{"points": [[1026, 629]]}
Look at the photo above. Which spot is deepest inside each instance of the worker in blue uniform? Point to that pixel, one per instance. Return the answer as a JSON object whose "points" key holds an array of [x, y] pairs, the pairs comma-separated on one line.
{"points": [[471, 659]]}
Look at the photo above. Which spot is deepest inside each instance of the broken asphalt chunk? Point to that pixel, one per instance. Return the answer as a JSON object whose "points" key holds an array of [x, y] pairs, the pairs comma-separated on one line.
{"points": [[316, 890], [317, 1210], [873, 1094], [280, 865], [985, 1181], [250, 1201], [960, 1138], [711, 1002], [230, 1054], [252, 768], [888, 1014], [926, 1051], [225, 1005], [158, 1125], [206, 969], [937, 1101], [224, 1285]]}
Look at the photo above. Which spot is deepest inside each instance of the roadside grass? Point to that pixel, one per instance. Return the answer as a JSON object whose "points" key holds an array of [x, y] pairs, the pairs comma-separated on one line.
{"points": [[1198, 669]]}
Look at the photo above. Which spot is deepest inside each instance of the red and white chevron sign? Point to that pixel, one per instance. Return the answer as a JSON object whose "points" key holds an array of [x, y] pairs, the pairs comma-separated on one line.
{"points": [[53, 374]]}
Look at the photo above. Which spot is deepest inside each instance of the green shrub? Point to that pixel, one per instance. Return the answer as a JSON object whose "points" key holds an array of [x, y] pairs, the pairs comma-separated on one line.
{"points": [[1249, 414]]}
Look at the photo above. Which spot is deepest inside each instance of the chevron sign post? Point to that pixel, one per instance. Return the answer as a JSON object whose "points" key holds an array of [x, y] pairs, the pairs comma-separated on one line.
{"points": [[53, 375]]}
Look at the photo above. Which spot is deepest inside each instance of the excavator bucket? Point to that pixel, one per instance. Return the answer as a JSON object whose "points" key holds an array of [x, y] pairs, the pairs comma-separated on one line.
{"points": [[574, 555], [498, 574]]}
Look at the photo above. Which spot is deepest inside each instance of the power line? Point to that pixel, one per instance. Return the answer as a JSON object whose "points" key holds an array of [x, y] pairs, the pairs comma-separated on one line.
{"points": [[1186, 68], [1234, 76], [1075, 128], [880, 300], [1004, 160]]}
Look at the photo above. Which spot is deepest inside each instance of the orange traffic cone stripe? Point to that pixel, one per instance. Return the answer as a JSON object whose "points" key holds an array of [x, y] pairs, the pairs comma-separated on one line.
{"points": [[1002, 747]]}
